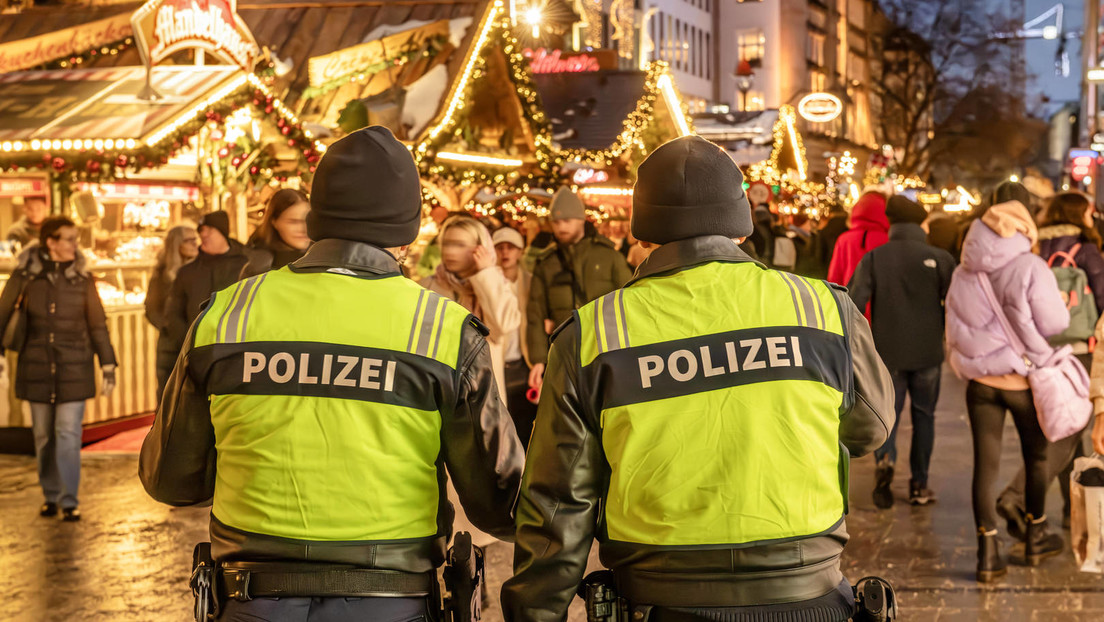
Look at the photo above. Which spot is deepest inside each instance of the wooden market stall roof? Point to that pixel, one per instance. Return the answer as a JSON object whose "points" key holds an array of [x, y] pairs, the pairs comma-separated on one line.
{"points": [[100, 103], [588, 110], [294, 30]]}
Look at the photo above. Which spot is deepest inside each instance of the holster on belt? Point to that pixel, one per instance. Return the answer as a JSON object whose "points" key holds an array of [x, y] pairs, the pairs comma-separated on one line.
{"points": [[603, 604], [203, 583], [464, 580]]}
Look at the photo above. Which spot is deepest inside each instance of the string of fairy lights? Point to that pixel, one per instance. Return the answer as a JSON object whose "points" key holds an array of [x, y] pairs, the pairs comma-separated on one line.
{"points": [[107, 159], [521, 186]]}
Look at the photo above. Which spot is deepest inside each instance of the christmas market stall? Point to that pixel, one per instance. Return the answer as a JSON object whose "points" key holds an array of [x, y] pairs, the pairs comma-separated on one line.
{"points": [[129, 152], [519, 122]]}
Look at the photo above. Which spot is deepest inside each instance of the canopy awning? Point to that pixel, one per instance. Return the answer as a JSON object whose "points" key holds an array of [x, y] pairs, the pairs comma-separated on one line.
{"points": [[103, 104]]}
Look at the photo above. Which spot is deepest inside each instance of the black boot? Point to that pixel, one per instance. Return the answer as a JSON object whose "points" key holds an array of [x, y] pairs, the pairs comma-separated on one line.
{"points": [[1040, 543], [1013, 515], [991, 566], [883, 478]]}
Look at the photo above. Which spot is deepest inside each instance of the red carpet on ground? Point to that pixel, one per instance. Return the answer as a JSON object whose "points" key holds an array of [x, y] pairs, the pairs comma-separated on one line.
{"points": [[129, 441]]}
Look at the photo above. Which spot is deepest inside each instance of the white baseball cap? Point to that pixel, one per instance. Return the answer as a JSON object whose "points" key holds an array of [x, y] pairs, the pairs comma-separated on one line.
{"points": [[508, 235]]}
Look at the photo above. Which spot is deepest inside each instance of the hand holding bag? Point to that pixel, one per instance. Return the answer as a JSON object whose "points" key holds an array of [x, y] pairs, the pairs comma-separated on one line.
{"points": [[15, 333], [1087, 513], [1059, 385]]}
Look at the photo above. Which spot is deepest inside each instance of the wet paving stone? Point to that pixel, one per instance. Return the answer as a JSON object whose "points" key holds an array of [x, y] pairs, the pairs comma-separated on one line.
{"points": [[129, 558]]}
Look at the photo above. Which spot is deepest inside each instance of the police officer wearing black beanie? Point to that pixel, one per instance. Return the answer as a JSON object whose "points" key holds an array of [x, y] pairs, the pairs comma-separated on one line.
{"points": [[318, 405], [694, 423]]}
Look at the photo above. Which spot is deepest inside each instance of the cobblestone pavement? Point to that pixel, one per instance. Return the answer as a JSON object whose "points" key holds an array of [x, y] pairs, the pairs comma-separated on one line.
{"points": [[129, 558]]}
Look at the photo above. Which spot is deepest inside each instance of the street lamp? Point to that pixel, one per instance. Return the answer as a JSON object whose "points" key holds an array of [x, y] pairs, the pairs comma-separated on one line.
{"points": [[745, 78]]}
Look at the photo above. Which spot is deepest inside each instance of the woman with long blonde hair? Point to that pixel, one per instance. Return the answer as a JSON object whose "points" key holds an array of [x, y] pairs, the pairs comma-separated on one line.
{"points": [[181, 247]]}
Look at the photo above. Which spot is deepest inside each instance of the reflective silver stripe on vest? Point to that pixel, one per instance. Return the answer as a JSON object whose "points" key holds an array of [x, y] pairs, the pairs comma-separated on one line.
{"points": [[425, 335], [808, 296], [414, 324], [233, 319], [249, 305], [225, 312], [794, 295], [614, 333]]}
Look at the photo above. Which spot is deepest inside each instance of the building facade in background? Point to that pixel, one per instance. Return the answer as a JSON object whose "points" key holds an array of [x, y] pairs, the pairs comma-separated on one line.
{"points": [[798, 48]]}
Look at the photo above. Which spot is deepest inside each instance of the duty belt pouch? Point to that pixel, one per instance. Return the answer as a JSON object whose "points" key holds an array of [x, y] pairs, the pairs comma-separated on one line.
{"points": [[464, 580], [203, 583], [603, 604]]}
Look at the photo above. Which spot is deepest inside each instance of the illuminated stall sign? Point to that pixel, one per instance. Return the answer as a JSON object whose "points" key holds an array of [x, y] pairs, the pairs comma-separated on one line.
{"points": [[589, 176], [165, 27], [544, 60], [820, 107]]}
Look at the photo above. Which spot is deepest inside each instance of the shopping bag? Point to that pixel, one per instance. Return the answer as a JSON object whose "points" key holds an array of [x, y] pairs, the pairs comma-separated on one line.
{"points": [[1087, 513]]}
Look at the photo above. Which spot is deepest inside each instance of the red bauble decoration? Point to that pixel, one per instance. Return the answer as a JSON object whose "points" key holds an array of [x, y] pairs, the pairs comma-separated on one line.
{"points": [[285, 130], [312, 169], [59, 164], [253, 170], [223, 152], [268, 109], [121, 161], [236, 161], [291, 142]]}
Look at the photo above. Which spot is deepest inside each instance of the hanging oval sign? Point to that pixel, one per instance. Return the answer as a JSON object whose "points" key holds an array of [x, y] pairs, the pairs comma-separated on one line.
{"points": [[820, 107]]}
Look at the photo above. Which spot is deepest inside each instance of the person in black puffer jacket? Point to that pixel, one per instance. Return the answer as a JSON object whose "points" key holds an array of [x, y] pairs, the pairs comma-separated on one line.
{"points": [[1066, 228], [218, 266], [65, 328], [282, 237]]}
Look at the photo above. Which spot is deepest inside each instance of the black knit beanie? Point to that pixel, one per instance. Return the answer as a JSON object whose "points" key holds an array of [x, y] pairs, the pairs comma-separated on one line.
{"points": [[688, 188], [366, 189], [219, 221], [900, 209]]}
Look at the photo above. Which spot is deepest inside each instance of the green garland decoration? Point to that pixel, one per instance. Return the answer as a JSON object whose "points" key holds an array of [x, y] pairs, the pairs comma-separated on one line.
{"points": [[436, 43], [99, 165]]}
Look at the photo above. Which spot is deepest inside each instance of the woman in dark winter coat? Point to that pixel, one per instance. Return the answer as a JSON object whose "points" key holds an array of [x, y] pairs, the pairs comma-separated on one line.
{"points": [[282, 237], [181, 247], [1066, 231], [65, 328]]}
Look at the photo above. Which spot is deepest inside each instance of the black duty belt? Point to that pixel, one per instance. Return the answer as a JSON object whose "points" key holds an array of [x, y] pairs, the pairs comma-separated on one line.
{"points": [[246, 581]]}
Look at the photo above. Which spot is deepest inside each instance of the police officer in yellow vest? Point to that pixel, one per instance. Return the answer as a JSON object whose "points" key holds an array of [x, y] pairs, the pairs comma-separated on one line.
{"points": [[699, 423], [319, 404]]}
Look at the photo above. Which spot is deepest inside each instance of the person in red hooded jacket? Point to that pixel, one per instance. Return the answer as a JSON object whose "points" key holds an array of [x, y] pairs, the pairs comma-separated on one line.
{"points": [[869, 230]]}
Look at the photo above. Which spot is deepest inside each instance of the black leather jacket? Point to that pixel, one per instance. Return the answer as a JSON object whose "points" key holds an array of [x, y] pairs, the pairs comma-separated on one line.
{"points": [[560, 508], [478, 445]]}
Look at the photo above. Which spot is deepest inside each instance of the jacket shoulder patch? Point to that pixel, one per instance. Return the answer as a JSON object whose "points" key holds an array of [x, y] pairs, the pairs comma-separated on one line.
{"points": [[479, 325]]}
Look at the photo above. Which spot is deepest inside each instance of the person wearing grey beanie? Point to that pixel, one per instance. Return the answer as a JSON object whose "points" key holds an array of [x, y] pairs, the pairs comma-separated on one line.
{"points": [[576, 269], [693, 421]]}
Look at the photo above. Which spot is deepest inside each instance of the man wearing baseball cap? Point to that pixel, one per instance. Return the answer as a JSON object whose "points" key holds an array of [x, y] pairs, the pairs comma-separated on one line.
{"points": [[699, 423]]}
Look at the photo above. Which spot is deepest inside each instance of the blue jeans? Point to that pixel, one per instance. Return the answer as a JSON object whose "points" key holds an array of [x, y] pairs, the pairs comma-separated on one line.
{"points": [[57, 434], [922, 386]]}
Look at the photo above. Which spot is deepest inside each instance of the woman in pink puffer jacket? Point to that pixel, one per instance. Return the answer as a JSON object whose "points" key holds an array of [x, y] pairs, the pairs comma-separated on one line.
{"points": [[998, 248]]}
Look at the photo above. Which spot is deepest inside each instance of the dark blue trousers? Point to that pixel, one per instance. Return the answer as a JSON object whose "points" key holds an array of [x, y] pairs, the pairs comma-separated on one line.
{"points": [[327, 610], [922, 388]]}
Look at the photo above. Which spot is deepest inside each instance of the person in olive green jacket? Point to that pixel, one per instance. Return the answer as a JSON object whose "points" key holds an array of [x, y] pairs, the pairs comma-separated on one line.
{"points": [[569, 274]]}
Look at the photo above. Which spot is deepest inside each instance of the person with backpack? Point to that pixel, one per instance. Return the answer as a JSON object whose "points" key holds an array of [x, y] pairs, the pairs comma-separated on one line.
{"points": [[1070, 244]]}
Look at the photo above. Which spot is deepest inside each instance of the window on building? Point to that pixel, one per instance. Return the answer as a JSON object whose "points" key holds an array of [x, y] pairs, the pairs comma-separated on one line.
{"points": [[708, 56], [755, 101], [817, 82], [700, 69], [856, 13], [856, 68], [750, 46], [815, 48]]}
